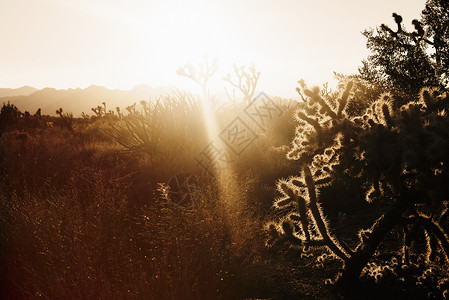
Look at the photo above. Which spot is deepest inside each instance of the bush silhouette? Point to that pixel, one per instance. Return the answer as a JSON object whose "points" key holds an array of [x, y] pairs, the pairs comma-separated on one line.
{"points": [[403, 61]]}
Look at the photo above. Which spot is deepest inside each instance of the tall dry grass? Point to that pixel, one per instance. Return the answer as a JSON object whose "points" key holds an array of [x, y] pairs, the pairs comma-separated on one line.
{"points": [[71, 229]]}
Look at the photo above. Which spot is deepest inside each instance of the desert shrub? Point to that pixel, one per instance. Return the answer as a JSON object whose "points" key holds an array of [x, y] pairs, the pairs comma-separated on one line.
{"points": [[398, 156], [9, 116]]}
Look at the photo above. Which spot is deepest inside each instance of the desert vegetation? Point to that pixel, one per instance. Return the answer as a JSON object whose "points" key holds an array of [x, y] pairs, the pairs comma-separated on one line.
{"points": [[343, 194]]}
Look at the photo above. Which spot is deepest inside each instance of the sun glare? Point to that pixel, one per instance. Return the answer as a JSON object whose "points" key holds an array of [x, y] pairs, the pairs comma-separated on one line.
{"points": [[159, 38], [180, 35]]}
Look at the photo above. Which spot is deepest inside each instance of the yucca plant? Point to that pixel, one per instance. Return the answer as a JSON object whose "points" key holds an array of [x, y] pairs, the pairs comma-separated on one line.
{"points": [[400, 155], [140, 130], [170, 130]]}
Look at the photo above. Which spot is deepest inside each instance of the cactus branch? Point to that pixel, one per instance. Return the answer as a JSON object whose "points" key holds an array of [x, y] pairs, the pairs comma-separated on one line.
{"points": [[436, 230], [367, 247], [319, 218]]}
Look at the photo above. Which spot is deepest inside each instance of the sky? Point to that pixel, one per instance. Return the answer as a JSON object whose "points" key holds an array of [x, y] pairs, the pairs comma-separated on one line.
{"points": [[124, 43]]}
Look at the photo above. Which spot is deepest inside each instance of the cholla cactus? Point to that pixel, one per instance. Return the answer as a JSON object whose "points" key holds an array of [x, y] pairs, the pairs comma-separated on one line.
{"points": [[400, 154], [316, 146]]}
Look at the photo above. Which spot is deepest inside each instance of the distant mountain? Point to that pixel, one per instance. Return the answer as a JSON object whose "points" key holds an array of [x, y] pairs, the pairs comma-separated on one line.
{"points": [[24, 90], [79, 100]]}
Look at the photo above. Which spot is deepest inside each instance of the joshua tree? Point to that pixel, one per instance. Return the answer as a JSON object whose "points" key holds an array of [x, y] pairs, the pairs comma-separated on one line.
{"points": [[38, 113], [245, 82], [200, 74], [99, 111], [67, 119]]}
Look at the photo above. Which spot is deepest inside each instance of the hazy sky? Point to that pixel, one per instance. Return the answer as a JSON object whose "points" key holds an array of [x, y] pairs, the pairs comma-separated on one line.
{"points": [[123, 43]]}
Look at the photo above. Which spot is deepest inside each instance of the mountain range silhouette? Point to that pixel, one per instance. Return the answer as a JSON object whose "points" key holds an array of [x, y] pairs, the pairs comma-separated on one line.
{"points": [[77, 100]]}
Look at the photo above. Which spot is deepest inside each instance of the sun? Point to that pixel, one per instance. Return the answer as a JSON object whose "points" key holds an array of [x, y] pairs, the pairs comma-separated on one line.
{"points": [[179, 35]]}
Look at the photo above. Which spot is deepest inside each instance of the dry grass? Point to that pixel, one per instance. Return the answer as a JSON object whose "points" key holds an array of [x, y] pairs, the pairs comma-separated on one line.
{"points": [[71, 228]]}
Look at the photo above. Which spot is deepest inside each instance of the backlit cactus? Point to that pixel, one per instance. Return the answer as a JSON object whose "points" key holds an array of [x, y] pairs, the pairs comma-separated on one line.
{"points": [[401, 156]]}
